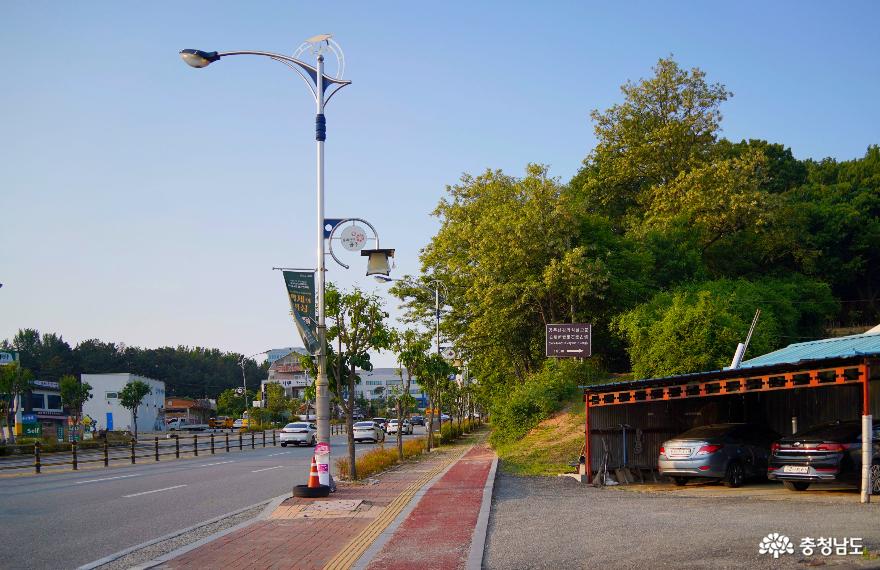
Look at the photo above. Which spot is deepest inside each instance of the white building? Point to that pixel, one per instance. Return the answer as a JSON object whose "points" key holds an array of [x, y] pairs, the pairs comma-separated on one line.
{"points": [[383, 382], [105, 405]]}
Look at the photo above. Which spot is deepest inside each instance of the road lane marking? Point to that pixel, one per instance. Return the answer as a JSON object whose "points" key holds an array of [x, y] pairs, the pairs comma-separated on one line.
{"points": [[105, 479], [219, 463], [274, 454], [268, 468], [153, 491]]}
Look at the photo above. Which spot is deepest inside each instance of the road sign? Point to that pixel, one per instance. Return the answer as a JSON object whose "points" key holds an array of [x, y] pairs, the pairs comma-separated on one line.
{"points": [[29, 418], [448, 353], [569, 340], [322, 449], [239, 391]]}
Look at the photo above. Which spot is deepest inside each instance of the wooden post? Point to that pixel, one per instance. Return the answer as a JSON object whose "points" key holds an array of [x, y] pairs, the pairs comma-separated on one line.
{"points": [[239, 442], [227, 441], [177, 447], [264, 438], [252, 440], [212, 444], [156, 443], [37, 456], [106, 452], [133, 442], [196, 444], [273, 438], [588, 467], [73, 449]]}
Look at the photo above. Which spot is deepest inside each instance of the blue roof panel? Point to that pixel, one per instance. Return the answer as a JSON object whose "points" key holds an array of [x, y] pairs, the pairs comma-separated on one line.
{"points": [[854, 345]]}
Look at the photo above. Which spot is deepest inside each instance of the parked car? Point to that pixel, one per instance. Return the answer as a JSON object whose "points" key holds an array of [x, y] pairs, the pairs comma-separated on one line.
{"points": [[221, 422], [368, 431], [826, 452], [444, 418], [237, 423], [417, 420], [392, 427], [382, 422], [730, 452], [298, 433]]}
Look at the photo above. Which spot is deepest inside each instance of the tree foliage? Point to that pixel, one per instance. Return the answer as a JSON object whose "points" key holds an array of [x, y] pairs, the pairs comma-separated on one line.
{"points": [[131, 397]]}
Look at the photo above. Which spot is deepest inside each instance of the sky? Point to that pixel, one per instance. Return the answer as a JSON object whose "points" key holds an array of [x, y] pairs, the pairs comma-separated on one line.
{"points": [[146, 202]]}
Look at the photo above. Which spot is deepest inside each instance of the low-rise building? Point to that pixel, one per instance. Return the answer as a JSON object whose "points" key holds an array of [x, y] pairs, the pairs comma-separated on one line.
{"points": [[382, 383], [105, 405], [44, 403], [192, 410], [288, 372]]}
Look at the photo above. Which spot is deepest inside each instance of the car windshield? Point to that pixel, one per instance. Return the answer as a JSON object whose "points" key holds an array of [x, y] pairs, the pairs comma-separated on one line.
{"points": [[298, 426], [706, 431], [364, 424], [838, 431]]}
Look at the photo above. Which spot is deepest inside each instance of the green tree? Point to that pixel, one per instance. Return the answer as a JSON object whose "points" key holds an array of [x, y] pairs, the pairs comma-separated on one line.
{"points": [[229, 403], [276, 401], [435, 380], [14, 381], [131, 397], [411, 349], [357, 324], [74, 394]]}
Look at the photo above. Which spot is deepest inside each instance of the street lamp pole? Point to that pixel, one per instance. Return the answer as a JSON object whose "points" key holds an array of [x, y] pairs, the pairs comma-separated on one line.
{"points": [[318, 84]]}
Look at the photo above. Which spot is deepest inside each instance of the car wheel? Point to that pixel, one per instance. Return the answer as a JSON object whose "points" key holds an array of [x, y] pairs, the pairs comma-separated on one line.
{"points": [[283, 444], [735, 475], [680, 481], [875, 478], [796, 485]]}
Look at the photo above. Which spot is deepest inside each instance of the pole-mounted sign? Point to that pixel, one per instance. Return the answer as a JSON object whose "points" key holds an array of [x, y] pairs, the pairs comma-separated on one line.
{"points": [[8, 357], [301, 292], [570, 340]]}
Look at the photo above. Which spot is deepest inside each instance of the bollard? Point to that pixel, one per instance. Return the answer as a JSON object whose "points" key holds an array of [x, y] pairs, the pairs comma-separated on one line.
{"points": [[157, 448], [239, 441], [133, 442], [196, 444], [73, 449], [273, 438], [264, 438], [212, 444], [37, 456], [252, 440], [227, 442], [177, 447], [106, 453]]}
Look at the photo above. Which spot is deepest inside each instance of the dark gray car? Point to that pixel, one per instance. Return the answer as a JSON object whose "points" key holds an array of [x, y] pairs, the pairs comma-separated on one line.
{"points": [[728, 452]]}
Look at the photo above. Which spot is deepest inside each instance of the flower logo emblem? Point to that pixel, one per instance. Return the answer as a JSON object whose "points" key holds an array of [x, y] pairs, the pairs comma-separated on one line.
{"points": [[775, 544]]}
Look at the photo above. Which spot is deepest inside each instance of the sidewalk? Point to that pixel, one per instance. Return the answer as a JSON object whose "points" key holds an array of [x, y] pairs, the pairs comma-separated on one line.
{"points": [[430, 512]]}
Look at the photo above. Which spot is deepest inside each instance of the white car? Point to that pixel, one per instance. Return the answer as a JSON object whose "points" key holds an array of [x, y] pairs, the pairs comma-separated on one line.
{"points": [[299, 433], [368, 431], [407, 427]]}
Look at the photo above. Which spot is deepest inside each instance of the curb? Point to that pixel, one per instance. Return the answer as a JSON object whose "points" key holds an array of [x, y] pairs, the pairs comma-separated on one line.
{"points": [[117, 555], [478, 540]]}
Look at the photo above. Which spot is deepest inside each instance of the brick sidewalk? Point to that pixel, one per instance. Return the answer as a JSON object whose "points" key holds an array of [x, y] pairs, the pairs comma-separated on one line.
{"points": [[438, 532], [312, 533]]}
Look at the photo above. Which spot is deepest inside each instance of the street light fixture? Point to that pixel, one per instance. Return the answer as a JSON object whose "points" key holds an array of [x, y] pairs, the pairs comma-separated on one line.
{"points": [[322, 87]]}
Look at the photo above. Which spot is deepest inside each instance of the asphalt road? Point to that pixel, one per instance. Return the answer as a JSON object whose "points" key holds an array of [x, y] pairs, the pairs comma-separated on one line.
{"points": [[549, 522], [64, 520]]}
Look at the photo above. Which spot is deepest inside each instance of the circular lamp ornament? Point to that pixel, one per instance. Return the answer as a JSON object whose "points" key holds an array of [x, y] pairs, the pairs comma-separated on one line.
{"points": [[353, 238]]}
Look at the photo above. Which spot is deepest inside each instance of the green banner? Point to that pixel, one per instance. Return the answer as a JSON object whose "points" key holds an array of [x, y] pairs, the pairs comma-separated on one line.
{"points": [[301, 292], [32, 430]]}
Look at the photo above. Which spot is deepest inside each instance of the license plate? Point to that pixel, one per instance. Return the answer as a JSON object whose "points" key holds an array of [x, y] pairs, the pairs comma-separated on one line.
{"points": [[802, 469], [679, 452]]}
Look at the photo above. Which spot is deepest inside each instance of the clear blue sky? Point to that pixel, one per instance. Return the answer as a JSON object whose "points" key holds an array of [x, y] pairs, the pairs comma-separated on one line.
{"points": [[145, 202]]}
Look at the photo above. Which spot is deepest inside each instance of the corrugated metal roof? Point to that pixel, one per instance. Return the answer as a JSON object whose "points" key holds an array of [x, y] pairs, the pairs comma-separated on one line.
{"points": [[854, 345]]}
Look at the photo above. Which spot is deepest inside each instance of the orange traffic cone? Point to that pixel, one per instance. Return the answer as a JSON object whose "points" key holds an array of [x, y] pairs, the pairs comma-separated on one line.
{"points": [[314, 482]]}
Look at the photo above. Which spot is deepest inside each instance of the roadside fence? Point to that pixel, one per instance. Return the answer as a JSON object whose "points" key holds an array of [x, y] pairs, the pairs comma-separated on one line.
{"points": [[173, 446]]}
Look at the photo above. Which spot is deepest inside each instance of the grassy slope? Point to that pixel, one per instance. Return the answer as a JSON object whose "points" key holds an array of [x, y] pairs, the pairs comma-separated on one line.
{"points": [[548, 448]]}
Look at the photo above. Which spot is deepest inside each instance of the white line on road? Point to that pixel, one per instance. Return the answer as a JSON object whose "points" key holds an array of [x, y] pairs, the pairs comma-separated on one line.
{"points": [[104, 479], [219, 463], [268, 468], [153, 491], [274, 454]]}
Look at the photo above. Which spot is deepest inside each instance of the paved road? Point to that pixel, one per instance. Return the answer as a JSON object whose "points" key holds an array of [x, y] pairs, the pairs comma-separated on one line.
{"points": [[544, 522], [63, 520]]}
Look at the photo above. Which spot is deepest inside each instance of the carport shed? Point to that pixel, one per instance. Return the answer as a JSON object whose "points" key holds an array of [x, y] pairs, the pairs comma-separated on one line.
{"points": [[792, 388]]}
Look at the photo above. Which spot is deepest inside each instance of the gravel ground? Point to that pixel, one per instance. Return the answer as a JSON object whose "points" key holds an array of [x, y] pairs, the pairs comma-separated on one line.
{"points": [[158, 549], [543, 522]]}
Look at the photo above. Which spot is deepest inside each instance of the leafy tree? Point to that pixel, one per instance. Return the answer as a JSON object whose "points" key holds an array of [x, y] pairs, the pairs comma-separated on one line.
{"points": [[131, 397], [74, 394], [276, 401], [697, 327], [357, 324], [411, 349], [435, 380], [14, 381], [231, 404]]}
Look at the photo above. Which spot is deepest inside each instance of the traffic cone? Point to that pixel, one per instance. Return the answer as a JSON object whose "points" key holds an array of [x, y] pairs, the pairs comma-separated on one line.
{"points": [[314, 482]]}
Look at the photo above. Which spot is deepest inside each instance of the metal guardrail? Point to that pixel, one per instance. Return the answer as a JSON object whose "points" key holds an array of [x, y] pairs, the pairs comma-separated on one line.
{"points": [[136, 450]]}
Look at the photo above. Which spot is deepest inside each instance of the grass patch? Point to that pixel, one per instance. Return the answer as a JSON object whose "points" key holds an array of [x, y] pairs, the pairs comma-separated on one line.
{"points": [[548, 447], [380, 459]]}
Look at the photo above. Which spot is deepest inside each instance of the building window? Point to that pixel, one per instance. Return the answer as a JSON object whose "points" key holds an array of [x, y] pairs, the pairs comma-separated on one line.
{"points": [[38, 401], [53, 401]]}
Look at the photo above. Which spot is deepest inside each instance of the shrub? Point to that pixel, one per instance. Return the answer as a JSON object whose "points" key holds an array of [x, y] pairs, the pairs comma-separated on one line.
{"points": [[519, 410], [380, 459]]}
